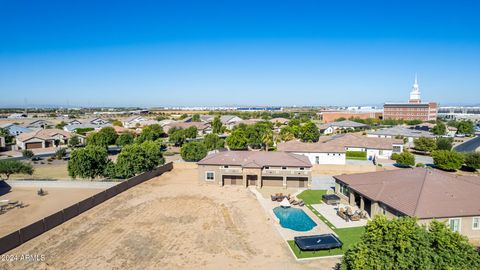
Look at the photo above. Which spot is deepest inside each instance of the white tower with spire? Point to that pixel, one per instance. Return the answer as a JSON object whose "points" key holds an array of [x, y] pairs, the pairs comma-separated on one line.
{"points": [[415, 93]]}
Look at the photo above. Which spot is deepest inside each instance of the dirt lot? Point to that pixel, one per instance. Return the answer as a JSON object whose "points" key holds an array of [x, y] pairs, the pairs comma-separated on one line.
{"points": [[38, 207], [170, 222]]}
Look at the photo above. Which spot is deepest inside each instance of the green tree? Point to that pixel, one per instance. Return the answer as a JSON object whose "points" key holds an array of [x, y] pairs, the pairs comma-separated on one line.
{"points": [[444, 143], [472, 160], [401, 243], [191, 132], [6, 134], [217, 126], [177, 136], [425, 144], [125, 139], [97, 139], [74, 141], [466, 127], [27, 153], [88, 162], [193, 151], [237, 140], [60, 125], [287, 133], [196, 118], [212, 141], [138, 158], [309, 132], [10, 166], [117, 123], [439, 128], [153, 154], [405, 159], [267, 139], [110, 135], [447, 160], [150, 133], [183, 116]]}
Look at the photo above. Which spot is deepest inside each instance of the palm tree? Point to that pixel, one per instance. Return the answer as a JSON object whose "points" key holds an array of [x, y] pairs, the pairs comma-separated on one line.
{"points": [[267, 139]]}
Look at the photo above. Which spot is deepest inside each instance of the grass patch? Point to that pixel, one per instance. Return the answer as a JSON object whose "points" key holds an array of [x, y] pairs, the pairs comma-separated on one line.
{"points": [[348, 236], [312, 196]]}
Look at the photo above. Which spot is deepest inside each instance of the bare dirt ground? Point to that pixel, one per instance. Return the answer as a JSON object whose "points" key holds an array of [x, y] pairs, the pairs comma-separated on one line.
{"points": [[38, 207], [170, 222]]}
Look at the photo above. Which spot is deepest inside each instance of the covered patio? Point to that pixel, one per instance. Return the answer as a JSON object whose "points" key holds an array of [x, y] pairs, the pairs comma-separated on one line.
{"points": [[330, 213]]}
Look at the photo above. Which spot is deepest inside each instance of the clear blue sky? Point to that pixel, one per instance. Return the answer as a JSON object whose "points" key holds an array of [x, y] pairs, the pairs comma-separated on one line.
{"points": [[142, 53]]}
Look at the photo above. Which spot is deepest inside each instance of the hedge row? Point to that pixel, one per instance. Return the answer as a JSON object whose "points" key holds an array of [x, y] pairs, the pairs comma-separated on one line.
{"points": [[357, 154]]}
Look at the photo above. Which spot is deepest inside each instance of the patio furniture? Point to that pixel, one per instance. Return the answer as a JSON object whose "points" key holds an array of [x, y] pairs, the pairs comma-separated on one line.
{"points": [[42, 192], [331, 199], [301, 203]]}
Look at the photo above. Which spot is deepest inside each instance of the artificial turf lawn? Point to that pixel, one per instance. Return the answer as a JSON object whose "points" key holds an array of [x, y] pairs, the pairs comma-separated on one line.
{"points": [[312, 196], [348, 236]]}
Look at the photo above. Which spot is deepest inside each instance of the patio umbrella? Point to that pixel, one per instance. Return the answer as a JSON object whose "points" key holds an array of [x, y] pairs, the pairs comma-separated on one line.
{"points": [[285, 203]]}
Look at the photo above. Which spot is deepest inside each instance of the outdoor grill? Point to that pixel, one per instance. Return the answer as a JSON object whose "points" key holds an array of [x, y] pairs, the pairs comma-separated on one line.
{"points": [[331, 199]]}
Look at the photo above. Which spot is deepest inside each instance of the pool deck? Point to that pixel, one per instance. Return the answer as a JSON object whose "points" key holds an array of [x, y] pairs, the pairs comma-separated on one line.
{"points": [[330, 213], [288, 234]]}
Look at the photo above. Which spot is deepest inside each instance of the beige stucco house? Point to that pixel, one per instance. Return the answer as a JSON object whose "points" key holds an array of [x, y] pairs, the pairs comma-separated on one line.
{"points": [[42, 138], [424, 193], [252, 168]]}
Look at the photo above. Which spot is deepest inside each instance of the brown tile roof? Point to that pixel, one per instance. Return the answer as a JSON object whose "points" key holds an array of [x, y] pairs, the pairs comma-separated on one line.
{"points": [[337, 144], [44, 134], [255, 159], [198, 125], [420, 192]]}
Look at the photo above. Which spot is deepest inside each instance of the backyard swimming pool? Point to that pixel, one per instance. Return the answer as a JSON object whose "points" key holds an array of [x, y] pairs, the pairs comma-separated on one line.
{"points": [[294, 219]]}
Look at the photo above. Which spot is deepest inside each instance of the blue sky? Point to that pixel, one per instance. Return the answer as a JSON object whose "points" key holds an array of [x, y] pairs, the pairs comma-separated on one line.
{"points": [[186, 53]]}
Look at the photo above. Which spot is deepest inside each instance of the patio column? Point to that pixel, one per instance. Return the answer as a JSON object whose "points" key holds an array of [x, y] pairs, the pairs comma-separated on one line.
{"points": [[362, 203], [284, 182], [352, 199]]}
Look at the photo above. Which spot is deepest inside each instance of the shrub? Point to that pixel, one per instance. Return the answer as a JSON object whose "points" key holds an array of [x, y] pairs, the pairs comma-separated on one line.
{"points": [[472, 160], [60, 153], [425, 144], [447, 160], [88, 162], [420, 165], [405, 159], [27, 153], [444, 143], [394, 156]]}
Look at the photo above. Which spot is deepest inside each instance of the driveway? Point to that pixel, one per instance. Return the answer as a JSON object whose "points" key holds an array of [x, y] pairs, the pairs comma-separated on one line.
{"points": [[423, 159], [468, 146]]}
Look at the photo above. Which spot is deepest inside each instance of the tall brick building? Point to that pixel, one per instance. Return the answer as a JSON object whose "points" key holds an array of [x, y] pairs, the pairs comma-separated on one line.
{"points": [[415, 109]]}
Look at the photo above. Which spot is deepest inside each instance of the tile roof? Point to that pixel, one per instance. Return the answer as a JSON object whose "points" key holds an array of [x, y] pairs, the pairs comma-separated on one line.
{"points": [[44, 134], [343, 124], [338, 143], [255, 159], [420, 192]]}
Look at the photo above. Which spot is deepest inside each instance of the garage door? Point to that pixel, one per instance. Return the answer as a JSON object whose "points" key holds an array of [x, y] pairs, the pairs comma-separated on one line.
{"points": [[297, 182], [252, 180], [232, 180], [33, 145], [271, 181]]}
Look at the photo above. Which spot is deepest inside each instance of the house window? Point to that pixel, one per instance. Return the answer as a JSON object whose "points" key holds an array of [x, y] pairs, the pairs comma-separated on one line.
{"points": [[284, 168], [225, 167], [476, 223], [380, 152], [317, 160], [397, 149], [454, 224], [210, 176], [301, 169], [344, 190], [266, 167]]}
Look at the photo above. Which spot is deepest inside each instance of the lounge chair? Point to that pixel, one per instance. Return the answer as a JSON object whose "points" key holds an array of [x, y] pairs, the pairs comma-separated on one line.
{"points": [[301, 203]]}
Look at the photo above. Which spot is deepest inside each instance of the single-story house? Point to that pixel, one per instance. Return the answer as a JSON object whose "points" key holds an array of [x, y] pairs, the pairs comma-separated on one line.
{"points": [[332, 150], [254, 168], [2, 142], [345, 125], [15, 129], [249, 122], [202, 128], [74, 127], [229, 121], [281, 120], [424, 193], [17, 116], [400, 132], [39, 123], [94, 121], [133, 121], [165, 122], [42, 138]]}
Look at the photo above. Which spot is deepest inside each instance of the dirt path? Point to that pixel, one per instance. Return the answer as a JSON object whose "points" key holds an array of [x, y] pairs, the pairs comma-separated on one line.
{"points": [[167, 223]]}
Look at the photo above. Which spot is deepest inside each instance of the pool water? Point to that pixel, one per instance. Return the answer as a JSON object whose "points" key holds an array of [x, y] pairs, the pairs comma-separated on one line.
{"points": [[294, 219]]}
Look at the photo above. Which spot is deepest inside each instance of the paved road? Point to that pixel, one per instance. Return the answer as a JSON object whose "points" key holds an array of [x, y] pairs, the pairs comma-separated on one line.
{"points": [[468, 146]]}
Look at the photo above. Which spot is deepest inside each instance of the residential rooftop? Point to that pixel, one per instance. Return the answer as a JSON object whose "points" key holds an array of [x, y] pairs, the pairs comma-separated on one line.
{"points": [[256, 159], [420, 192]]}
